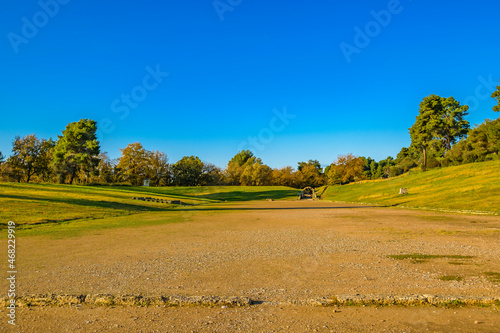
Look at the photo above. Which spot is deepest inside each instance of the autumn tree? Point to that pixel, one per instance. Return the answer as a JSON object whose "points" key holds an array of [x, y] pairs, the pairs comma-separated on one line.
{"points": [[284, 177], [255, 173], [211, 175], [158, 168], [4, 168], [76, 150], [105, 169], [346, 169], [133, 164], [310, 174]]}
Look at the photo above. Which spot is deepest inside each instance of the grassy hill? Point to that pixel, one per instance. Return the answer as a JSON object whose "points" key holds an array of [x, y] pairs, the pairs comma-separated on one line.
{"points": [[51, 203], [470, 187]]}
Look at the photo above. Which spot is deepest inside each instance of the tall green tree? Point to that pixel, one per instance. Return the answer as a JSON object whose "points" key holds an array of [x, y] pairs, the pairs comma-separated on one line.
{"points": [[482, 144], [496, 95], [242, 157], [407, 158], [236, 166], [423, 130], [188, 171], [255, 173], [248, 170], [314, 163], [76, 150], [2, 158], [452, 126], [440, 123]]}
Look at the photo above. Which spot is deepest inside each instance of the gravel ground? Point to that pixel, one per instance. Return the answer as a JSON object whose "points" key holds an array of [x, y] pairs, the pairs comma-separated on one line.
{"points": [[273, 252], [265, 318]]}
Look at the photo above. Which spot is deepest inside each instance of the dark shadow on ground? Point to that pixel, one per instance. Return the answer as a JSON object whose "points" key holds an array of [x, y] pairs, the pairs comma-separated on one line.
{"points": [[137, 207], [230, 196], [90, 203], [187, 193], [250, 196]]}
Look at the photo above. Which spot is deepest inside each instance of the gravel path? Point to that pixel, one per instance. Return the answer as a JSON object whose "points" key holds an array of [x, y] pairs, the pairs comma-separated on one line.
{"points": [[274, 252]]}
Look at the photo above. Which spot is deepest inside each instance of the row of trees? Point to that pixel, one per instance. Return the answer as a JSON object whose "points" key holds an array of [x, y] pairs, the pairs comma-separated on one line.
{"points": [[76, 158], [440, 136], [74, 155]]}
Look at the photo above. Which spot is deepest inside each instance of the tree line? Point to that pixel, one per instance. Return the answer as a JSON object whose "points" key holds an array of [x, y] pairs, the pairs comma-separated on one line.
{"points": [[440, 137]]}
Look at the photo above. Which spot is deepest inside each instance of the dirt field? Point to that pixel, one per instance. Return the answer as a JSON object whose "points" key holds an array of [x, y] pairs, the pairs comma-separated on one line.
{"points": [[281, 255]]}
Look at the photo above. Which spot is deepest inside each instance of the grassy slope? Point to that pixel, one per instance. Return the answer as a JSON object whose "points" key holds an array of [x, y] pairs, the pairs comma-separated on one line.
{"points": [[469, 187], [49, 203], [474, 187], [207, 194]]}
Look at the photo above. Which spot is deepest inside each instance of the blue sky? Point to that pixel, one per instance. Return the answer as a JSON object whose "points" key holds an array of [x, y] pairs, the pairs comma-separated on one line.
{"points": [[204, 78]]}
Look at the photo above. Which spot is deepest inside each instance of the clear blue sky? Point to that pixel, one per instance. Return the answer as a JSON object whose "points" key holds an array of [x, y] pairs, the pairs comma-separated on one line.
{"points": [[231, 69]]}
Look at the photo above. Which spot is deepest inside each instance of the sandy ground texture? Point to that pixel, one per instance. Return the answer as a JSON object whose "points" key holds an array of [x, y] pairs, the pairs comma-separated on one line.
{"points": [[262, 318], [277, 254]]}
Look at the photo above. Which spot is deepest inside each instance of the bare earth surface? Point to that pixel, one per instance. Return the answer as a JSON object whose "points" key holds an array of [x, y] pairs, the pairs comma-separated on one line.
{"points": [[277, 253]]}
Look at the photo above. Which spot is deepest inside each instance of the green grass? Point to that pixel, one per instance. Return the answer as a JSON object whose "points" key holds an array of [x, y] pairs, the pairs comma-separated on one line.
{"points": [[82, 227], [457, 263], [493, 276], [417, 258], [206, 194], [470, 187], [32, 205], [450, 278]]}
